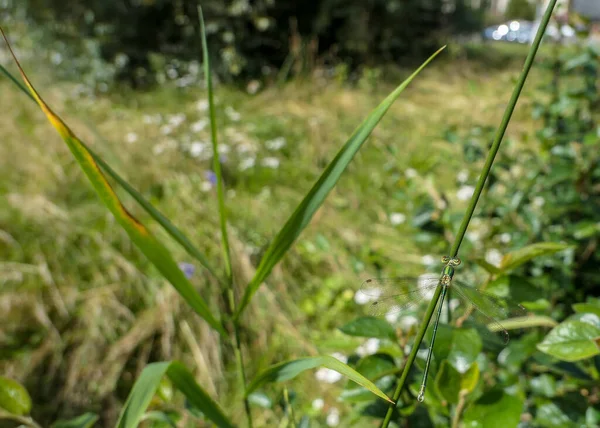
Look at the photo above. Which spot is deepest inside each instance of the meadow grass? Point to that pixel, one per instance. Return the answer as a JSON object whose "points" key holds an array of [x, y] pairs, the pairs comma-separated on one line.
{"points": [[86, 311]]}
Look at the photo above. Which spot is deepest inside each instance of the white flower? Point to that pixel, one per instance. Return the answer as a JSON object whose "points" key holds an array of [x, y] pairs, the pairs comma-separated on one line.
{"points": [[397, 218], [505, 238], [327, 375], [392, 315], [246, 164], [428, 260], [199, 125], [253, 87], [206, 186], [197, 148], [454, 303], [462, 176], [408, 321], [411, 173], [232, 114], [465, 192], [493, 257], [340, 357], [202, 105], [318, 404], [333, 418], [131, 137], [148, 120], [166, 129], [538, 201], [369, 347], [275, 144], [158, 149], [270, 162], [372, 294], [176, 119]]}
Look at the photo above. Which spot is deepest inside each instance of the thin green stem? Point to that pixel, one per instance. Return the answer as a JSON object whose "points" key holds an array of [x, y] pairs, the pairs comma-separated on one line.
{"points": [[467, 218], [229, 293]]}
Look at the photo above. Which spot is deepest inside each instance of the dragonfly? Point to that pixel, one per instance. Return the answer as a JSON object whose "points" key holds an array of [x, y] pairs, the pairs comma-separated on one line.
{"points": [[395, 295]]}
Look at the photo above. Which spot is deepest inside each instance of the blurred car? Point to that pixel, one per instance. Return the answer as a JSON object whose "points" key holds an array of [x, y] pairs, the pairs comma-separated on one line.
{"points": [[520, 31]]}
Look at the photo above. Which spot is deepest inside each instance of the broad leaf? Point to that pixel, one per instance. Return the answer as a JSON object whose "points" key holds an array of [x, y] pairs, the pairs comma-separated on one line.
{"points": [[450, 383], [14, 398], [139, 234], [516, 258], [379, 368], [147, 384], [460, 346], [87, 420], [572, 341], [495, 409], [592, 306], [369, 327], [315, 197], [290, 369]]}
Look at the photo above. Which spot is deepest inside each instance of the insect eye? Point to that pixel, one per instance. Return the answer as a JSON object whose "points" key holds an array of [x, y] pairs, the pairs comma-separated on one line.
{"points": [[445, 259], [455, 261]]}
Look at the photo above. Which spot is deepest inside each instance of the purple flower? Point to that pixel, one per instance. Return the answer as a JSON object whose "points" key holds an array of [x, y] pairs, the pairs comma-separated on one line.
{"points": [[188, 269], [212, 177]]}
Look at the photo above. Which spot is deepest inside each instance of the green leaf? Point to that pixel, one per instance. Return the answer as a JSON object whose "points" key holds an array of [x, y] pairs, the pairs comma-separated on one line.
{"points": [[460, 346], [379, 368], [516, 258], [215, 147], [14, 398], [592, 308], [549, 415], [369, 327], [164, 222], [572, 341], [146, 385], [290, 369], [450, 383], [495, 409], [543, 385], [87, 420], [155, 251], [317, 194], [260, 399], [488, 266]]}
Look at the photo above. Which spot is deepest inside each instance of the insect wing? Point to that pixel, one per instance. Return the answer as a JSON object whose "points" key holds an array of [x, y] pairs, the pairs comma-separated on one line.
{"points": [[388, 296]]}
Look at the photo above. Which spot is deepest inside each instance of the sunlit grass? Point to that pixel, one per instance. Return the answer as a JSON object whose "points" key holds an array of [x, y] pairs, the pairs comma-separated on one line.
{"points": [[96, 300]]}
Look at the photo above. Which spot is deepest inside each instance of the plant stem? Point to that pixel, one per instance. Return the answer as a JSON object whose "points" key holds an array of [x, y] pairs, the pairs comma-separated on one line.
{"points": [[471, 208], [462, 395], [229, 292]]}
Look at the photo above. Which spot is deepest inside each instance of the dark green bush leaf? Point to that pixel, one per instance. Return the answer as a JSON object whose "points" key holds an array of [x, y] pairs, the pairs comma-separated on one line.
{"points": [[369, 327], [549, 415], [495, 409], [290, 369], [450, 382], [516, 258], [572, 341], [460, 346]]}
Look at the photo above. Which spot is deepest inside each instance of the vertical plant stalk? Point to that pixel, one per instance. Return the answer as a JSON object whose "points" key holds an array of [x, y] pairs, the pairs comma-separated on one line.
{"points": [[229, 293], [471, 208]]}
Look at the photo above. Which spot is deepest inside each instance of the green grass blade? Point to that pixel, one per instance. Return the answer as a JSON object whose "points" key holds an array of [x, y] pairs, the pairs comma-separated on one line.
{"points": [[164, 222], [290, 369], [311, 203], [215, 146], [138, 233], [145, 387]]}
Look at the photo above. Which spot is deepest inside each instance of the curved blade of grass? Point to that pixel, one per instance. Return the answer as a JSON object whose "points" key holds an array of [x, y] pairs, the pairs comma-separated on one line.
{"points": [[139, 234], [164, 222], [145, 387], [311, 203], [290, 369], [215, 147]]}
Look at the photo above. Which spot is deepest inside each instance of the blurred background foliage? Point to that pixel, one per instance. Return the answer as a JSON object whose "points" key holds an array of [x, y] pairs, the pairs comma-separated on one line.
{"points": [[84, 312]]}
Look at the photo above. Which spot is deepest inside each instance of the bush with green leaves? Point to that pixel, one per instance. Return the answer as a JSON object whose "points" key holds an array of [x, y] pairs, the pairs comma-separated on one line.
{"points": [[138, 41]]}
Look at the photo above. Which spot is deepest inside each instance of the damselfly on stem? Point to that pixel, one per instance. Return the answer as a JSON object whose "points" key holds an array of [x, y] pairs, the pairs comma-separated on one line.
{"points": [[393, 295]]}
